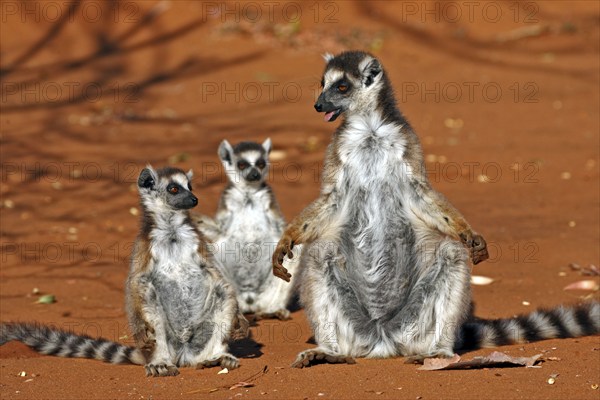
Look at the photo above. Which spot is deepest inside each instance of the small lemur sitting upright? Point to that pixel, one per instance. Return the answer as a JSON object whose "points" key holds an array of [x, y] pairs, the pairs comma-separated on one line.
{"points": [[179, 304], [181, 311], [250, 225], [385, 269]]}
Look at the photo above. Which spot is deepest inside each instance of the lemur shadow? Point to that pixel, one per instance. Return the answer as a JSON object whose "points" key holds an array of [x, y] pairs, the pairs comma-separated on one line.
{"points": [[295, 303], [103, 56], [246, 348]]}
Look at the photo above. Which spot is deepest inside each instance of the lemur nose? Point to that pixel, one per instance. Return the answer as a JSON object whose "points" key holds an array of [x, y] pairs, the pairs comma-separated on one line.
{"points": [[195, 200], [253, 175], [318, 107]]}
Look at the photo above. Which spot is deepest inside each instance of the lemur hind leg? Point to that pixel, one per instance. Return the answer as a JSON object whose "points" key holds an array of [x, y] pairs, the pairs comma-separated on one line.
{"points": [[274, 299], [438, 303], [161, 360], [334, 333], [208, 347], [210, 350]]}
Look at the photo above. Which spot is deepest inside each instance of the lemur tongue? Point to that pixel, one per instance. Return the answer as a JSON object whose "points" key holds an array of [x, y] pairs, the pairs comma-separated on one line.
{"points": [[328, 115]]}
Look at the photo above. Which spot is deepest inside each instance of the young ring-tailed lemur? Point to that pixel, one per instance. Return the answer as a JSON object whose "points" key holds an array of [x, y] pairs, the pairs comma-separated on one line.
{"points": [[250, 224], [181, 311], [385, 268]]}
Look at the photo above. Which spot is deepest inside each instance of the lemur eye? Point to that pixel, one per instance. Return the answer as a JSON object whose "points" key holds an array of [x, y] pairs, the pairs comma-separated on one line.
{"points": [[242, 165], [342, 88], [173, 190], [189, 186], [261, 163], [322, 82]]}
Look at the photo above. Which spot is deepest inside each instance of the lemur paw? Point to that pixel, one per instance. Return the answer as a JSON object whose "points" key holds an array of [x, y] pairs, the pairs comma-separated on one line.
{"points": [[479, 250], [477, 246], [226, 361], [282, 315], [284, 247], [314, 356], [230, 362], [145, 341], [148, 346], [161, 369]]}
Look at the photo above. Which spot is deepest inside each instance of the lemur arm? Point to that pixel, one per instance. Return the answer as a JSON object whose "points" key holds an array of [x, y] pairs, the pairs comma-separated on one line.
{"points": [[138, 287], [311, 222], [443, 216], [141, 329], [304, 228], [437, 212]]}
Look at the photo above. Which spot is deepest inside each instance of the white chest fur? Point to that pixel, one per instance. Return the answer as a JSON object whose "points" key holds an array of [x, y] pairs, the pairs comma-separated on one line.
{"points": [[372, 184], [250, 217], [174, 246], [371, 152]]}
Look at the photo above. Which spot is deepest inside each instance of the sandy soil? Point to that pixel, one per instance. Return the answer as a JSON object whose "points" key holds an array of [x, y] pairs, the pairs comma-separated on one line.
{"points": [[504, 98]]}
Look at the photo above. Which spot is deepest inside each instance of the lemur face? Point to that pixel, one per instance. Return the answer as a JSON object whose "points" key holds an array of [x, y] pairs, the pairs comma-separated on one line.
{"points": [[166, 188], [247, 163], [350, 83]]}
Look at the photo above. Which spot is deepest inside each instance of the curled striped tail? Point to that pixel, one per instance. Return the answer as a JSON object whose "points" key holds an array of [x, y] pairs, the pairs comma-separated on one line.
{"points": [[56, 342], [559, 322]]}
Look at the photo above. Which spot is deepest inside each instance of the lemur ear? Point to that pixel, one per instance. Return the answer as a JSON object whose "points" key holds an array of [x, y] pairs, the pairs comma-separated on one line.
{"points": [[267, 145], [370, 69], [189, 174], [225, 152], [147, 178], [327, 57]]}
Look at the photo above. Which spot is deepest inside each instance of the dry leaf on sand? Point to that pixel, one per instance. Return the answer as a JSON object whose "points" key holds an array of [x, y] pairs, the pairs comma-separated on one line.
{"points": [[495, 359]]}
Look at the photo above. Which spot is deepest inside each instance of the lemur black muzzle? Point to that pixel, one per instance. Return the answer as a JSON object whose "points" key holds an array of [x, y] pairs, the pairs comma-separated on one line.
{"points": [[189, 201], [330, 110], [253, 175]]}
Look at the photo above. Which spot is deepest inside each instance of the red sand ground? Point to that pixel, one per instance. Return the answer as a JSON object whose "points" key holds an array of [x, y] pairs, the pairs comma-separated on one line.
{"points": [[504, 98]]}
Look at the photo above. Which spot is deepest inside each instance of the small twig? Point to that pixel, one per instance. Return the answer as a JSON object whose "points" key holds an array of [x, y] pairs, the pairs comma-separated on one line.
{"points": [[243, 383]]}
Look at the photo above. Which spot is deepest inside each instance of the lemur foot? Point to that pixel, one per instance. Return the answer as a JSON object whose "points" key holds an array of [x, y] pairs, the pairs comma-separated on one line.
{"points": [[315, 356], [226, 361], [161, 369], [281, 315]]}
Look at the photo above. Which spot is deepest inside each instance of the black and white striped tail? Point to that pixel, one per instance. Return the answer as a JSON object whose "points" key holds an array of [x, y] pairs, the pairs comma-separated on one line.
{"points": [[60, 343], [559, 322]]}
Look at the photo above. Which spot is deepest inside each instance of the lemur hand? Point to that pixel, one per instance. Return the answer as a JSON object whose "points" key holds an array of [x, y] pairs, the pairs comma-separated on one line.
{"points": [[284, 247], [145, 340], [477, 246]]}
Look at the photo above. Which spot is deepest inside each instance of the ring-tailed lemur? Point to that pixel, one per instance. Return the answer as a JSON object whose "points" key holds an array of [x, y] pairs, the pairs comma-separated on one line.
{"points": [[250, 225], [385, 268], [181, 311]]}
